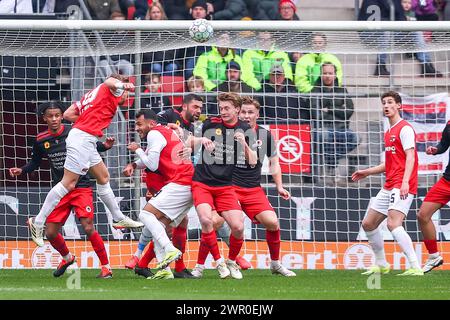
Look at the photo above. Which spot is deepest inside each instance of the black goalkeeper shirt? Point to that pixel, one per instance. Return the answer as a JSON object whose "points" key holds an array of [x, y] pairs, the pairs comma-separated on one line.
{"points": [[216, 168], [443, 146], [247, 176], [53, 147]]}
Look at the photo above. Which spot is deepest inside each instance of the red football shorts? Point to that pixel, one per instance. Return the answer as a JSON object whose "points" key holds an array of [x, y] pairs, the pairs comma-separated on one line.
{"points": [[154, 182], [439, 193], [81, 200], [253, 201], [219, 198]]}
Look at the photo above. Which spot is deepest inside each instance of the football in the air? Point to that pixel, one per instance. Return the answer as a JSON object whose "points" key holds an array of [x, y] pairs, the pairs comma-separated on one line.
{"points": [[201, 30]]}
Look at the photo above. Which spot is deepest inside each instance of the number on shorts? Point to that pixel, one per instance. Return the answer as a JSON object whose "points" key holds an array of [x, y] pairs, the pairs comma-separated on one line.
{"points": [[392, 198]]}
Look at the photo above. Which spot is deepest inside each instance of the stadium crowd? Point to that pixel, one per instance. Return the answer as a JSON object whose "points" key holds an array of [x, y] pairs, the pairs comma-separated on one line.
{"points": [[290, 86]]}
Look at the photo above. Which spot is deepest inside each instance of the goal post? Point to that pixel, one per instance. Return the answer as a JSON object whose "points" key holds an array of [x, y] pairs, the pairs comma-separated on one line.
{"points": [[320, 225]]}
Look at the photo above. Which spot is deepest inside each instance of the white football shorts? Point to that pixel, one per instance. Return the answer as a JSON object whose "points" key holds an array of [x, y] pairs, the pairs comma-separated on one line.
{"points": [[390, 200], [81, 152], [174, 200]]}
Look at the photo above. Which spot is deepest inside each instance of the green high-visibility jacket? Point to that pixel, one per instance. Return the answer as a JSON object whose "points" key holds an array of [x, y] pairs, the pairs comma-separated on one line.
{"points": [[212, 67], [259, 62], [307, 70]]}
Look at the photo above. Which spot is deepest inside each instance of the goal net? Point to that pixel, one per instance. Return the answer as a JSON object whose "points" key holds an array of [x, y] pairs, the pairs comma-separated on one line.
{"points": [[323, 135]]}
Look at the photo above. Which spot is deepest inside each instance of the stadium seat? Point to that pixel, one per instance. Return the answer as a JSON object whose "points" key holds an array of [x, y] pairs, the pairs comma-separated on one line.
{"points": [[173, 84]]}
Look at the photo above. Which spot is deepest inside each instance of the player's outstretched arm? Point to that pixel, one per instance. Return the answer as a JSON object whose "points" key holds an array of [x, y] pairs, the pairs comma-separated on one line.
{"points": [[115, 84], [72, 113], [275, 169], [361, 174]]}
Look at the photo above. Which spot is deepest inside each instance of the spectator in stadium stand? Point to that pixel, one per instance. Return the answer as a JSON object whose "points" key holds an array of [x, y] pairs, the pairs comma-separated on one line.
{"points": [[446, 9], [381, 39], [278, 105], [103, 10], [308, 67], [197, 85], [257, 63], [426, 10], [332, 108], [424, 57], [176, 9], [166, 62], [287, 11], [156, 102], [233, 10], [140, 8], [156, 12], [264, 9], [233, 83], [27, 7], [378, 38], [212, 65]]}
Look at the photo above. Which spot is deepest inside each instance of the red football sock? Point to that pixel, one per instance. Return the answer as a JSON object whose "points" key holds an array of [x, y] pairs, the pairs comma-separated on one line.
{"points": [[208, 243], [60, 245], [235, 247], [148, 256], [273, 241], [179, 241], [431, 245], [99, 248]]}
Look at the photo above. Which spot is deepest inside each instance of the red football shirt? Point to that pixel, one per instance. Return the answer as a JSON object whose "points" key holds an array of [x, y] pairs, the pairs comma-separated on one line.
{"points": [[171, 167], [97, 109], [396, 158]]}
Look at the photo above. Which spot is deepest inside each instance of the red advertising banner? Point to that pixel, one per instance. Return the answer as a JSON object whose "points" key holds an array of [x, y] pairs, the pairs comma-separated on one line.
{"points": [[294, 147]]}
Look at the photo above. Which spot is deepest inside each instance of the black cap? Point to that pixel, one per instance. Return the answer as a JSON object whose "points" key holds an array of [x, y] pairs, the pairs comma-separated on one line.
{"points": [[233, 65], [200, 3], [51, 104]]}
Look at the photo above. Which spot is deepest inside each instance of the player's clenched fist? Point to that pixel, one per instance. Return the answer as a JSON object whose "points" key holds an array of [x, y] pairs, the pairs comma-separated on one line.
{"points": [[133, 146], [14, 172], [431, 150]]}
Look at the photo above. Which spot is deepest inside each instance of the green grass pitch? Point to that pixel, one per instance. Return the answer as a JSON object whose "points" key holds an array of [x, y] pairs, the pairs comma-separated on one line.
{"points": [[257, 284]]}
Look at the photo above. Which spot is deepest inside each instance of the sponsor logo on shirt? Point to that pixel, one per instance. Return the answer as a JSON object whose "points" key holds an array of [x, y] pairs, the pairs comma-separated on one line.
{"points": [[390, 149]]}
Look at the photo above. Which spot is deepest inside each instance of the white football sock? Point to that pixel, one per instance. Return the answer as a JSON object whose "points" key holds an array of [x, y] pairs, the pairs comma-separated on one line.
{"points": [[376, 242], [106, 194], [404, 240], [434, 255], [144, 239], [159, 252], [67, 257], [51, 201], [157, 230]]}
